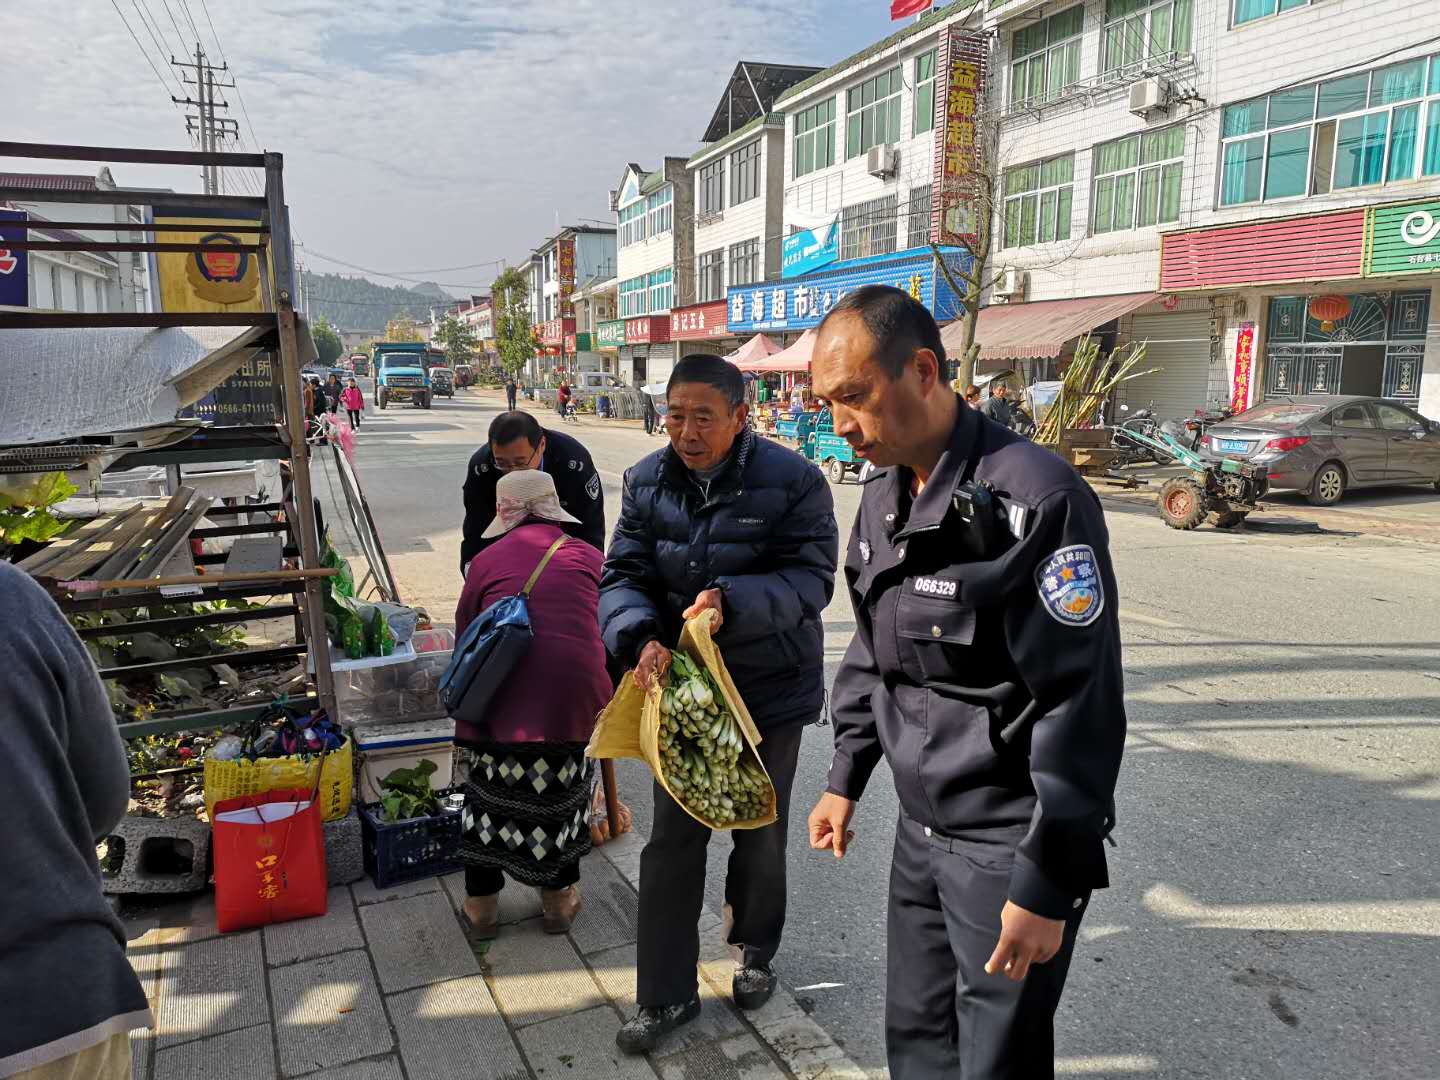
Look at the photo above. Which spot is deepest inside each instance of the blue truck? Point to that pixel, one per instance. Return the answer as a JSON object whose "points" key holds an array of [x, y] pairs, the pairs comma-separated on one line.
{"points": [[402, 373]]}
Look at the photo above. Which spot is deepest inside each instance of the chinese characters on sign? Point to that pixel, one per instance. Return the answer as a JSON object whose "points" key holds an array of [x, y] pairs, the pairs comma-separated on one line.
{"points": [[647, 330], [702, 321], [247, 397], [1401, 239], [610, 335], [1244, 348], [553, 331], [958, 138], [565, 257]]}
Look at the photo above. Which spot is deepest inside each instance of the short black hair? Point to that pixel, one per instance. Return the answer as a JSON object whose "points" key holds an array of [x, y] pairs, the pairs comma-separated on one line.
{"points": [[509, 426], [711, 370], [898, 322]]}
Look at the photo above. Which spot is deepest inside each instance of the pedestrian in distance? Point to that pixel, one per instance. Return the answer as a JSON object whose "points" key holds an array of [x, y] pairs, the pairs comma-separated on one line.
{"points": [[722, 521], [986, 669], [510, 391], [70, 996], [540, 720], [972, 396], [516, 443], [333, 390], [652, 418], [354, 403], [997, 406]]}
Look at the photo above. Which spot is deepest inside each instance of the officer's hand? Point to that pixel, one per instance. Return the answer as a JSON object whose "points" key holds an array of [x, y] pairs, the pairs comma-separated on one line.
{"points": [[709, 600], [1025, 939], [653, 664], [828, 823]]}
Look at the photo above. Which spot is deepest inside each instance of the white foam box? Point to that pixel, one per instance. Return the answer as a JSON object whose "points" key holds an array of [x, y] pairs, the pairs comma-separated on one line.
{"points": [[382, 748]]}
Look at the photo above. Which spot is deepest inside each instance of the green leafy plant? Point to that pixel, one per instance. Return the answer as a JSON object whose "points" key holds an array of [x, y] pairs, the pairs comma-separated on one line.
{"points": [[25, 513], [407, 793]]}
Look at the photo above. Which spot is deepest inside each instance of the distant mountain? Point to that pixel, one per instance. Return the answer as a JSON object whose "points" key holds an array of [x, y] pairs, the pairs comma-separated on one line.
{"points": [[357, 303]]}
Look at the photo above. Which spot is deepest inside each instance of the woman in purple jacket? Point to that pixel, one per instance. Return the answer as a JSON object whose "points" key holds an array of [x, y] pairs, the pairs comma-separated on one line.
{"points": [[528, 785]]}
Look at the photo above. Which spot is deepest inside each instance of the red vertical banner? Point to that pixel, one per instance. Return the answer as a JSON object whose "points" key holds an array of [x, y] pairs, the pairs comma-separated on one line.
{"points": [[1244, 362], [566, 274], [958, 136]]}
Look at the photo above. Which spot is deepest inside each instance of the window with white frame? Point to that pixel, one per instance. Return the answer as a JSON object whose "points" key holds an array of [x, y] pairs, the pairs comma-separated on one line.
{"points": [[1039, 199], [662, 290], [1374, 127], [1045, 57], [869, 228], [712, 187], [634, 297], [1139, 30], [745, 173], [917, 230], [745, 262], [873, 112], [632, 223], [660, 211], [1250, 10], [1137, 180], [924, 93], [710, 275], [814, 139]]}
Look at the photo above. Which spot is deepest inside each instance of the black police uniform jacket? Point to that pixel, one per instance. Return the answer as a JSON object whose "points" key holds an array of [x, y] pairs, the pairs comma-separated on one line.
{"points": [[764, 534], [993, 685], [576, 483]]}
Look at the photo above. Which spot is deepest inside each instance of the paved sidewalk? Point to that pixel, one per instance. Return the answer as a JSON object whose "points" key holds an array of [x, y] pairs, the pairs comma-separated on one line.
{"points": [[386, 987]]}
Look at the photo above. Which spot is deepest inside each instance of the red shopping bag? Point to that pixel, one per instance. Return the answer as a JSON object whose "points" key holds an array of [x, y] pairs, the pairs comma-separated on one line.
{"points": [[269, 859]]}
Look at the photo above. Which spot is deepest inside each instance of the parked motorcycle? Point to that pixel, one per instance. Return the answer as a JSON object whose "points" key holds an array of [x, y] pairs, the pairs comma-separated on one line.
{"points": [[1135, 450]]}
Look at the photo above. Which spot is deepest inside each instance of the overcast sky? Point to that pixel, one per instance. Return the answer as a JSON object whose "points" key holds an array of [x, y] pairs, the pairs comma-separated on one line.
{"points": [[417, 134]]}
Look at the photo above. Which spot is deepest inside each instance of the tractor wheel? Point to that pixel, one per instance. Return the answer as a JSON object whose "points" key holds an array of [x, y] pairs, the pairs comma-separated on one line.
{"points": [[383, 399], [1182, 503], [1228, 519], [1328, 485], [835, 471], [422, 400]]}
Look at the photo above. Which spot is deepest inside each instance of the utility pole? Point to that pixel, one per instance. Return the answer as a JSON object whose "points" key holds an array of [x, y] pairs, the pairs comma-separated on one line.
{"points": [[211, 129]]}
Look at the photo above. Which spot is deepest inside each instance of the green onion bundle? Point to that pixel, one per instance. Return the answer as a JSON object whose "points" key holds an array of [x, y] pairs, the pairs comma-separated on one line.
{"points": [[707, 766]]}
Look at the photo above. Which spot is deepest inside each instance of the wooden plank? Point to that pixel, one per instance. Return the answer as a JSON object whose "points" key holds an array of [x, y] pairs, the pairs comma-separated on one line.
{"points": [[175, 534], [85, 562], [125, 557], [72, 543], [255, 554]]}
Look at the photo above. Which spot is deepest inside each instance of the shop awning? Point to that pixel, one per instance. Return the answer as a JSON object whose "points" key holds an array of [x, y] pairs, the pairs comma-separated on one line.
{"points": [[794, 358], [757, 348], [1042, 328]]}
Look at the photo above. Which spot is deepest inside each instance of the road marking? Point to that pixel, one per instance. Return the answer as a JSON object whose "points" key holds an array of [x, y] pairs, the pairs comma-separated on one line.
{"points": [[1151, 620], [1106, 1063], [1419, 918]]}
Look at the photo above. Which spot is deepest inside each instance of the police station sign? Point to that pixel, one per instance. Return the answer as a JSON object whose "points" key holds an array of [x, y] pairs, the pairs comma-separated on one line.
{"points": [[1403, 239], [798, 305]]}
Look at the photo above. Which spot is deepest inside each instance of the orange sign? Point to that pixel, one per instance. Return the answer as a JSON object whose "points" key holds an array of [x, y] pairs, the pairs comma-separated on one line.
{"points": [[958, 139], [1244, 359]]}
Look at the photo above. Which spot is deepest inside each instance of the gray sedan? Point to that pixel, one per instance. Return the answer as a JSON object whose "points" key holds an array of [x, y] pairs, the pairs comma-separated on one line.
{"points": [[1324, 444]]}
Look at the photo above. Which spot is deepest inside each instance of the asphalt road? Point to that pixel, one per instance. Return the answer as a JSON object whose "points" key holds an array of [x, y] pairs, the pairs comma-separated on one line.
{"points": [[1274, 909]]}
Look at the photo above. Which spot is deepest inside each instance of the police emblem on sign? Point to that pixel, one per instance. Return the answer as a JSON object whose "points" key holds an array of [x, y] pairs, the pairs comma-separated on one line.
{"points": [[1070, 587]]}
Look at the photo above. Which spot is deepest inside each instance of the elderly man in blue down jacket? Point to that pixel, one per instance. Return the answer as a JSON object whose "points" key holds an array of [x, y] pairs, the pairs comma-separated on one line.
{"points": [[721, 520]]}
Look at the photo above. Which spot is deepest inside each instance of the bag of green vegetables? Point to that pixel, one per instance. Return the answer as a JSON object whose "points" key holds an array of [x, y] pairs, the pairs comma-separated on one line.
{"points": [[695, 733]]}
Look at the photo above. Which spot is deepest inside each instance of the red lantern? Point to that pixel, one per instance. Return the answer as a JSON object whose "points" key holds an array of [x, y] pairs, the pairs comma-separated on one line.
{"points": [[1329, 310]]}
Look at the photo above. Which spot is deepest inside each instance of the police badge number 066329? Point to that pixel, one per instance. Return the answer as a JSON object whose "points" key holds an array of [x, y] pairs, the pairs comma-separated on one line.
{"points": [[1070, 587]]}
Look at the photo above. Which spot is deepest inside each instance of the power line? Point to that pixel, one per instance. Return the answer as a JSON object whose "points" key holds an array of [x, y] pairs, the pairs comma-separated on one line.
{"points": [[179, 34], [159, 48], [163, 85], [185, 7], [381, 273]]}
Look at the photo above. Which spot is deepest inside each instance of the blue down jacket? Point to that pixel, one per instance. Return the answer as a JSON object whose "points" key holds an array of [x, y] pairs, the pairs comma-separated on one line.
{"points": [[764, 533]]}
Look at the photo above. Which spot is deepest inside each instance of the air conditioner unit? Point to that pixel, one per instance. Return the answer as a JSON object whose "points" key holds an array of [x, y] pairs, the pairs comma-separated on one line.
{"points": [[883, 161], [1149, 95], [1011, 284]]}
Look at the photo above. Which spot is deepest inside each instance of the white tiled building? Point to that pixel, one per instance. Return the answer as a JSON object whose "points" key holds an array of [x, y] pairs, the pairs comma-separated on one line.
{"points": [[655, 238]]}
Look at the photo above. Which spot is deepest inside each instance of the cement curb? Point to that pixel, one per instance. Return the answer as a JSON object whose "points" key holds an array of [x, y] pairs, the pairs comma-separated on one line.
{"points": [[805, 1048]]}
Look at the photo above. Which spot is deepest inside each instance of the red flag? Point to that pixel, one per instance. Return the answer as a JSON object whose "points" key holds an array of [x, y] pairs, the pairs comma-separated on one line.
{"points": [[903, 9]]}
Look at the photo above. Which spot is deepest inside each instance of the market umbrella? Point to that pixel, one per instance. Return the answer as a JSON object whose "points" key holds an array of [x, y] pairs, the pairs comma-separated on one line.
{"points": [[757, 348], [795, 358]]}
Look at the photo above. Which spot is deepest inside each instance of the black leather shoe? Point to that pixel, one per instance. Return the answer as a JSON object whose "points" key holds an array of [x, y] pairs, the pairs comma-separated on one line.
{"points": [[645, 1029], [753, 986]]}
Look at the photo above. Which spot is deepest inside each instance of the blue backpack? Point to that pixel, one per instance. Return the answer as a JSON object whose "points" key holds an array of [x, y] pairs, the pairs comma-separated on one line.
{"points": [[489, 652]]}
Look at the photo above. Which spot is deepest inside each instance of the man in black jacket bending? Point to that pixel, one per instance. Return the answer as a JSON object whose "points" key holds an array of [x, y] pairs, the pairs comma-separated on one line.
{"points": [[724, 521]]}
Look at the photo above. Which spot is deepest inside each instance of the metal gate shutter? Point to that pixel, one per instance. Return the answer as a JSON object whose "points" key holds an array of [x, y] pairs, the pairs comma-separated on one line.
{"points": [[660, 363], [1179, 346]]}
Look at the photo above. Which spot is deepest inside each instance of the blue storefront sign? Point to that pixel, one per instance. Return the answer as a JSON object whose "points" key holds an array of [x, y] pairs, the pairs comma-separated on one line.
{"points": [[805, 252], [802, 303], [14, 265]]}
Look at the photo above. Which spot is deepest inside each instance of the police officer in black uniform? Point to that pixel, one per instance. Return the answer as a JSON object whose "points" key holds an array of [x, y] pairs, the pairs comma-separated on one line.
{"points": [[517, 442], [986, 668]]}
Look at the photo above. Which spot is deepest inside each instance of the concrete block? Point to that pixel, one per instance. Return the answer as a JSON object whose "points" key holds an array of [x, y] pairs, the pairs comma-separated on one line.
{"points": [[609, 911], [718, 1019], [366, 891], [517, 902], [582, 1044], [538, 976], [158, 855], [305, 939], [739, 1058], [328, 1012], [386, 1068], [210, 988], [344, 849], [806, 1048], [454, 1029], [417, 940], [247, 1054]]}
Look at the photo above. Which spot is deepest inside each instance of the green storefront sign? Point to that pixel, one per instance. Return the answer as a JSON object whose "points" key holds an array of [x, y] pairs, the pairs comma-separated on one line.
{"points": [[610, 335], [583, 342], [1403, 239]]}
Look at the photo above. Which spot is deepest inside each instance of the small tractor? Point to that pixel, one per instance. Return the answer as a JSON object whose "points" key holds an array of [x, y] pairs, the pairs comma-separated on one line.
{"points": [[1223, 489]]}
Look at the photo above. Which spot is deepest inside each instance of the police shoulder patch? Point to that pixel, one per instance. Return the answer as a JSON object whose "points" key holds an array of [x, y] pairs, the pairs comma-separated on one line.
{"points": [[1070, 587], [592, 486]]}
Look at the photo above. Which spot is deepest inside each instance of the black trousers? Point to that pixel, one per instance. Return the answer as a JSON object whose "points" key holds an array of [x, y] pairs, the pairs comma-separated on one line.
{"points": [[354, 417], [489, 880], [672, 884], [510, 400], [943, 1015], [649, 422]]}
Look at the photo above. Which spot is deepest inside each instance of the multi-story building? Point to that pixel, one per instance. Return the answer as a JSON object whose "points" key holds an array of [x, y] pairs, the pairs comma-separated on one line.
{"points": [[574, 254], [595, 301], [1266, 215], [655, 247]]}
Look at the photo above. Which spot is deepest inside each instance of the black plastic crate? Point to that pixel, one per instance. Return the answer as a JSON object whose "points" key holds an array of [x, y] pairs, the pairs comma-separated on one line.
{"points": [[401, 851]]}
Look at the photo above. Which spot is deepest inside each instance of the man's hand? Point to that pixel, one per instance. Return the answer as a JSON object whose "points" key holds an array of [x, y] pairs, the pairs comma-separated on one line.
{"points": [[654, 662], [709, 600], [1025, 939], [828, 823]]}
